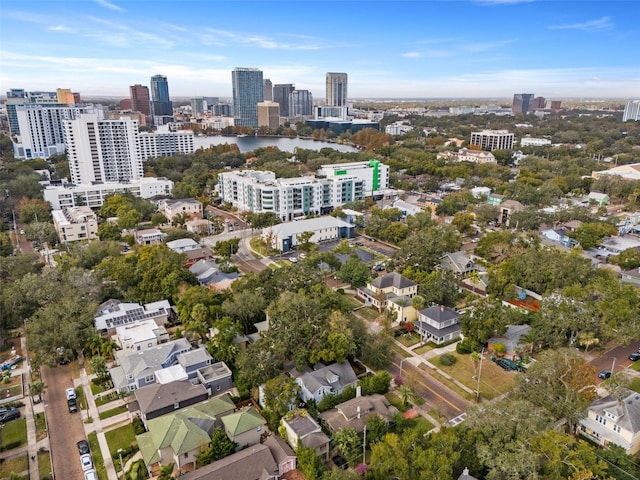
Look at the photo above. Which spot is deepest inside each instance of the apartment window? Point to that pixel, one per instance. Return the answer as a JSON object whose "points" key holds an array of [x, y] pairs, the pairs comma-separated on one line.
{"points": [[217, 388], [616, 428], [601, 420], [176, 406]]}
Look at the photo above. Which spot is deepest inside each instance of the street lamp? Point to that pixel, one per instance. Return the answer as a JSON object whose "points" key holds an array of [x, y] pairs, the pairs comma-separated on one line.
{"points": [[401, 361], [121, 465]]}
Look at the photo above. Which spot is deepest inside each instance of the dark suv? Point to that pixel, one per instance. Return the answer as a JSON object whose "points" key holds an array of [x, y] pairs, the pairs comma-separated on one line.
{"points": [[8, 414], [83, 447], [73, 405]]}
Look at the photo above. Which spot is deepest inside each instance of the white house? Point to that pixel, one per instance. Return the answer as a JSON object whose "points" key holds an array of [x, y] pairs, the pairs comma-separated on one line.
{"points": [[141, 335], [331, 379]]}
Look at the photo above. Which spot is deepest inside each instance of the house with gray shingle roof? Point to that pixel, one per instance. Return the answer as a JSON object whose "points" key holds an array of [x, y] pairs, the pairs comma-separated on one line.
{"points": [[613, 422], [354, 413], [392, 292], [331, 379], [159, 399], [302, 429], [458, 262], [438, 324]]}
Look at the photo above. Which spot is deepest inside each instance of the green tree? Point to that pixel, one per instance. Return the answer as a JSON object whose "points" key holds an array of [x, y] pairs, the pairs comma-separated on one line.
{"points": [[219, 448], [222, 344], [99, 367], [226, 248], [354, 272], [376, 429], [256, 365], [463, 222], [245, 306], [589, 235], [406, 394], [348, 444], [37, 388], [309, 463], [166, 472], [158, 219], [304, 242], [6, 247], [280, 393], [109, 231]]}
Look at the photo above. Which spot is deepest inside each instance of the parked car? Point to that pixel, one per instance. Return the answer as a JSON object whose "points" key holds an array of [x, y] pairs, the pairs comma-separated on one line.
{"points": [[86, 462], [8, 414], [360, 244], [635, 356], [70, 393], [83, 447], [90, 475], [340, 462], [303, 256], [293, 259], [73, 405], [604, 374]]}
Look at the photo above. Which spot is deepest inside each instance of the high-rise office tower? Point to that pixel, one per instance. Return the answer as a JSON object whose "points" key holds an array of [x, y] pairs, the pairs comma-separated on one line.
{"points": [[268, 114], [140, 98], [248, 90], [538, 103], [161, 104], [197, 105], [336, 89], [301, 103], [281, 94], [102, 150], [521, 103], [268, 90], [631, 111]]}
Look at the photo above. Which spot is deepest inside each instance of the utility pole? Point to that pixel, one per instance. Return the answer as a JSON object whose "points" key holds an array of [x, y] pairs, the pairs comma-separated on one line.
{"points": [[364, 444], [479, 373]]}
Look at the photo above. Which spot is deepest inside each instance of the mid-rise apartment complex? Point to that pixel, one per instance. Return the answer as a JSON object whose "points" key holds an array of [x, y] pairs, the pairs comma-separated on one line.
{"points": [[102, 150], [75, 223], [631, 111], [492, 140], [288, 198]]}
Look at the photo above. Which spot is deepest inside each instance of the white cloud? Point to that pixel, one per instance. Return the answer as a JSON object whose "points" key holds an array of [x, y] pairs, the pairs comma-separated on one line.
{"points": [[261, 41], [412, 55], [109, 5], [604, 23]]}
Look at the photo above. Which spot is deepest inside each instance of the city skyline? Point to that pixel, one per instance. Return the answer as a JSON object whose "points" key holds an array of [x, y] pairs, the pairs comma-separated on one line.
{"points": [[404, 49]]}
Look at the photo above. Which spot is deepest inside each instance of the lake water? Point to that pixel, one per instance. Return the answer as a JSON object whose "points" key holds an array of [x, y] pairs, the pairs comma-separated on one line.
{"points": [[248, 144]]}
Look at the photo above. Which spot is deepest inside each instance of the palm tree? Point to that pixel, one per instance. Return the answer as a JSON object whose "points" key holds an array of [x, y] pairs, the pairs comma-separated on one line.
{"points": [[37, 388], [529, 340], [107, 348], [166, 472], [407, 395]]}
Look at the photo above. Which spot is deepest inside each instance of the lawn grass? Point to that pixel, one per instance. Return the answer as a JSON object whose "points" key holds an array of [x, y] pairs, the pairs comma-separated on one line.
{"points": [[635, 366], [104, 399], [635, 385], [13, 434], [369, 313], [96, 453], [494, 381], [41, 426], [44, 465], [99, 388], [15, 465], [423, 349], [408, 339], [121, 437], [113, 412], [400, 351], [82, 402]]}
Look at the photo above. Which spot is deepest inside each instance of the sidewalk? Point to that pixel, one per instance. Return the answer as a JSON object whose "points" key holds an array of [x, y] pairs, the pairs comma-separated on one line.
{"points": [[96, 424]]}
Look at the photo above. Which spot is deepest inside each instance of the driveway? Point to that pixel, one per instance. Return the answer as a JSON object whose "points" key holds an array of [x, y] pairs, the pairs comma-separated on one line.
{"points": [[65, 429]]}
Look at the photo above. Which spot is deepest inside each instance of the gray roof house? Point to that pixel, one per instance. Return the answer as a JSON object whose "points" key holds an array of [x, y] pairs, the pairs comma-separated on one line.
{"points": [[393, 292], [613, 422], [355, 412], [158, 399], [138, 369], [216, 377], [193, 360], [458, 262], [331, 379], [302, 429], [438, 324]]}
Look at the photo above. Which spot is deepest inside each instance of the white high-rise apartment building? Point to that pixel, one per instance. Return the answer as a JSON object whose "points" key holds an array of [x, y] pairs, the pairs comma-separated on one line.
{"points": [[631, 111], [165, 144], [41, 128], [492, 140], [103, 150], [332, 187]]}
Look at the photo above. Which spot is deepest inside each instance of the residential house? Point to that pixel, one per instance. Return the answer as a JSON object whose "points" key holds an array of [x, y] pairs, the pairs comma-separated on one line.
{"points": [[114, 313], [614, 422], [190, 207], [631, 277], [559, 235], [438, 324], [149, 236], [511, 341], [392, 292], [183, 245], [599, 199], [269, 460], [141, 335], [244, 427], [138, 369], [466, 476], [332, 379], [303, 430], [200, 226], [352, 216], [406, 209], [467, 155], [354, 413], [193, 360], [73, 224], [458, 262], [216, 378], [158, 399], [198, 254], [178, 436], [209, 274], [479, 192], [508, 208]]}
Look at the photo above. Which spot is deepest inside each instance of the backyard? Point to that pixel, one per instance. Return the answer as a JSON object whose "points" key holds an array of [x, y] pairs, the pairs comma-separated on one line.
{"points": [[13, 434]]}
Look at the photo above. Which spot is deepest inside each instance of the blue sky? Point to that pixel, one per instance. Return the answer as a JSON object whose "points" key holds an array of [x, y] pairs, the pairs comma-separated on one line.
{"points": [[399, 49]]}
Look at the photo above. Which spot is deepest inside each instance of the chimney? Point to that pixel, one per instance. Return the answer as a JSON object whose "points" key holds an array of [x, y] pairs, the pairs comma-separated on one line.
{"points": [[358, 411], [358, 391], [442, 308]]}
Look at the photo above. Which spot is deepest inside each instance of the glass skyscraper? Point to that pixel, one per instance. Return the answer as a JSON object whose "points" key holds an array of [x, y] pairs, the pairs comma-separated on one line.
{"points": [[248, 90], [281, 95], [161, 104]]}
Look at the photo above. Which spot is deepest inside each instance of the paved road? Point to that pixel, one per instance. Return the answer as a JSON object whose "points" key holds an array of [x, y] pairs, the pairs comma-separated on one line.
{"points": [[65, 429], [436, 395], [621, 356]]}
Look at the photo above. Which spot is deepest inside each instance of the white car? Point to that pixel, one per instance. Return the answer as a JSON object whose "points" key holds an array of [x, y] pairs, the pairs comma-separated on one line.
{"points": [[303, 256], [90, 475], [293, 260], [87, 463], [70, 393]]}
